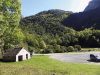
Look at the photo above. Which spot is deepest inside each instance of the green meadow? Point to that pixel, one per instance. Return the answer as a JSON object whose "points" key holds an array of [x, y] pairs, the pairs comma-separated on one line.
{"points": [[43, 65]]}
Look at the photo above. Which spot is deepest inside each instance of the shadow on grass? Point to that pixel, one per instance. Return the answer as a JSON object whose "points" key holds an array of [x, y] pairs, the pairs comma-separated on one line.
{"points": [[96, 61], [1, 60]]}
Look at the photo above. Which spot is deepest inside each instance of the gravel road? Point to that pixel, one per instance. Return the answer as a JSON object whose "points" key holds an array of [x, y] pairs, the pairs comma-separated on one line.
{"points": [[74, 57]]}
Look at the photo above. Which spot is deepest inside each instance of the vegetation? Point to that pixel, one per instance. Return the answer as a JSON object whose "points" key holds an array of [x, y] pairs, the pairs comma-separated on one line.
{"points": [[43, 32], [56, 37], [77, 47], [9, 22], [70, 49], [42, 65]]}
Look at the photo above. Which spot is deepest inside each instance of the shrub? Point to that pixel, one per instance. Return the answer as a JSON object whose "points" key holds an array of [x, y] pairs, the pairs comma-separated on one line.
{"points": [[70, 49], [47, 51], [63, 48], [54, 49], [77, 47]]}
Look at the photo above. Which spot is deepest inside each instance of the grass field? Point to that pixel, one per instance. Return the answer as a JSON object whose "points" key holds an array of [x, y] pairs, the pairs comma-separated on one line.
{"points": [[42, 65]]}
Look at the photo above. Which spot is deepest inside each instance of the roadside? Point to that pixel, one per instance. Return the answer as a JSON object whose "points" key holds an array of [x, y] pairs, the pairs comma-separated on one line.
{"points": [[77, 57]]}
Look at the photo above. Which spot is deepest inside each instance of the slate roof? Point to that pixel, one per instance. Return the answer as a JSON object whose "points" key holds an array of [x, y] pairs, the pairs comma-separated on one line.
{"points": [[12, 52]]}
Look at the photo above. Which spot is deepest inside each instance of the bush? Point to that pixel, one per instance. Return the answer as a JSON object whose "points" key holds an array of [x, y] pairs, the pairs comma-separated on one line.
{"points": [[49, 49], [54, 49], [46, 51], [70, 49], [63, 48], [77, 47]]}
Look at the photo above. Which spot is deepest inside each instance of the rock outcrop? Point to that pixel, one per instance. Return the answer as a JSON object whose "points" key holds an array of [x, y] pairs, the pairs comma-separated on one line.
{"points": [[90, 17], [93, 4]]}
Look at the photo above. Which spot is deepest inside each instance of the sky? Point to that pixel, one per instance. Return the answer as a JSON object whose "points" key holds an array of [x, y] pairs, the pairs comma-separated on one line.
{"points": [[31, 7]]}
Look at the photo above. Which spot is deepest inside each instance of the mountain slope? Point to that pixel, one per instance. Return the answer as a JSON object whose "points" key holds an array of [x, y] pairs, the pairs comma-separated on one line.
{"points": [[45, 22], [90, 17], [93, 5], [46, 33]]}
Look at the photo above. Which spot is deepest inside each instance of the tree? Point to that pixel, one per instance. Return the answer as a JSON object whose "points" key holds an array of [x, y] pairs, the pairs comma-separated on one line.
{"points": [[69, 39], [9, 19], [13, 39]]}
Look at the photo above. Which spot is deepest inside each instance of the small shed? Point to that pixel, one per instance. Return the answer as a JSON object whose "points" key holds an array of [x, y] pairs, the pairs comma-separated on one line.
{"points": [[16, 54]]}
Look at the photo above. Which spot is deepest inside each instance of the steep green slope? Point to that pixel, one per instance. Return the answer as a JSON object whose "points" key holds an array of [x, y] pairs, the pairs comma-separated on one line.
{"points": [[45, 33], [45, 22]]}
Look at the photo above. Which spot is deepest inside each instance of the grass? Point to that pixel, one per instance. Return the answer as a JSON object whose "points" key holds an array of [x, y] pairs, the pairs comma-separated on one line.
{"points": [[92, 49], [42, 65]]}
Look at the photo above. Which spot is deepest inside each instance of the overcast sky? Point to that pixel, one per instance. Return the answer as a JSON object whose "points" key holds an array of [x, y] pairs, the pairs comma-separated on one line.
{"points": [[31, 7]]}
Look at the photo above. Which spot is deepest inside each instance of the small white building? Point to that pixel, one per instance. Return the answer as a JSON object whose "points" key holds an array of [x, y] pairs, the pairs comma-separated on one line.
{"points": [[16, 54]]}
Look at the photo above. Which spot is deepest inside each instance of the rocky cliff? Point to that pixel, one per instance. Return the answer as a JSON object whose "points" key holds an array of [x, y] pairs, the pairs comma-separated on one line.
{"points": [[90, 17], [93, 4]]}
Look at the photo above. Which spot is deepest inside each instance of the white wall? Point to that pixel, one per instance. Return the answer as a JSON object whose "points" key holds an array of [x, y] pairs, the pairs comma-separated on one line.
{"points": [[23, 52]]}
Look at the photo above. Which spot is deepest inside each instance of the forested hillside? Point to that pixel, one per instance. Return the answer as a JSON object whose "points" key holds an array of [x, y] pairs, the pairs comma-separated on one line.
{"points": [[44, 32], [50, 35], [45, 22]]}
